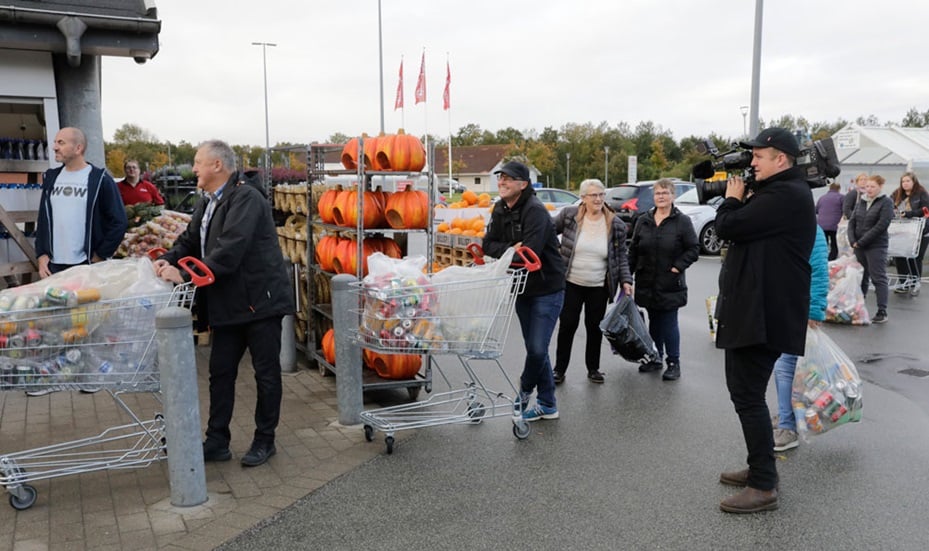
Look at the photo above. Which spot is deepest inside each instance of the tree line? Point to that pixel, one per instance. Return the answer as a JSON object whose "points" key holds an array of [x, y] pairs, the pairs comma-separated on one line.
{"points": [[591, 150]]}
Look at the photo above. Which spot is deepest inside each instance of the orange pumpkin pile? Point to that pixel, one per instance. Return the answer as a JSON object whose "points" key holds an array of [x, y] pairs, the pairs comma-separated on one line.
{"points": [[388, 366], [407, 209], [469, 199], [340, 254], [398, 152], [473, 227]]}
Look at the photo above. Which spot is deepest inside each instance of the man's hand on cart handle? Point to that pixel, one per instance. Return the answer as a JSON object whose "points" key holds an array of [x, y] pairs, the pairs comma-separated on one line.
{"points": [[199, 273]]}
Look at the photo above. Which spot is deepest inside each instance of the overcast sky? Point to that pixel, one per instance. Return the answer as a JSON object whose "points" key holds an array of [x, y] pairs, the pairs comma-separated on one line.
{"points": [[527, 64]]}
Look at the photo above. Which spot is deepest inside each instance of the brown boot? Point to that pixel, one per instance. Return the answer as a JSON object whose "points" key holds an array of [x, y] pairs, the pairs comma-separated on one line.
{"points": [[735, 478], [750, 500]]}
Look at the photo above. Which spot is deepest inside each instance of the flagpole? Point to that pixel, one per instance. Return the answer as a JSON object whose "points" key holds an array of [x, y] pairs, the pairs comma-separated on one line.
{"points": [[447, 103], [426, 113]]}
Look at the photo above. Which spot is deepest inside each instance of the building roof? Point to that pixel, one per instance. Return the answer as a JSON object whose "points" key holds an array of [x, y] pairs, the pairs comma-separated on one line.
{"points": [[880, 145], [126, 28], [474, 159]]}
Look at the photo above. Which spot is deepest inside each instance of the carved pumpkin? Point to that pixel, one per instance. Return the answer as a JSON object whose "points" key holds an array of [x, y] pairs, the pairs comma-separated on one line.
{"points": [[408, 209], [345, 259], [370, 153], [328, 346], [396, 366], [345, 210], [326, 204], [401, 152], [326, 250], [350, 153]]}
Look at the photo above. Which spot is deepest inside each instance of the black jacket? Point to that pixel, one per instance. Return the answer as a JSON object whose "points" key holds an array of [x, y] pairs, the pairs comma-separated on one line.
{"points": [[917, 203], [105, 223], [528, 222], [764, 283], [568, 223], [868, 225], [849, 202], [242, 250], [654, 250]]}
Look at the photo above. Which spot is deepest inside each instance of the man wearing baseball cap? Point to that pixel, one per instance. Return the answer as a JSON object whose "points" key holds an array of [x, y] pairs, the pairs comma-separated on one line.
{"points": [[519, 218], [764, 298]]}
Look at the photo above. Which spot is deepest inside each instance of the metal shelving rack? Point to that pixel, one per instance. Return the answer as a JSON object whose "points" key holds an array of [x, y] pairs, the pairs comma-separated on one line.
{"points": [[319, 315]]}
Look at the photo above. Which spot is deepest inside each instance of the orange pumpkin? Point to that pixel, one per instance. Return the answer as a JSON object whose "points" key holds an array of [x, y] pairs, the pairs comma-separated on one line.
{"points": [[401, 152], [350, 153], [388, 246], [328, 346], [326, 250], [367, 357], [345, 258], [370, 153], [469, 197], [408, 209], [396, 366], [345, 209], [326, 204]]}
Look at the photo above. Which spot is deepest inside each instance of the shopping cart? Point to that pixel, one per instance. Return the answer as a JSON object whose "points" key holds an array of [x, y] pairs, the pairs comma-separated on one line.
{"points": [[905, 236], [469, 319], [101, 344]]}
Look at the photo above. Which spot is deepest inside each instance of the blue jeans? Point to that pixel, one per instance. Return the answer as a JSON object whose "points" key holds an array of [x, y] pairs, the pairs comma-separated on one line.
{"points": [[784, 369], [537, 318], [664, 329]]}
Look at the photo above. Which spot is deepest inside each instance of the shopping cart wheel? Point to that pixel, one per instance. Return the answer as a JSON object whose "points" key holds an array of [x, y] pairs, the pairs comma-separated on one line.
{"points": [[476, 411], [369, 433], [521, 429], [390, 444], [21, 504]]}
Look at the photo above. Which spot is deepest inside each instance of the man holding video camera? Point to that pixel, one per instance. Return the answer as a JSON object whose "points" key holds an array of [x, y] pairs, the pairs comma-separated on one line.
{"points": [[764, 296]]}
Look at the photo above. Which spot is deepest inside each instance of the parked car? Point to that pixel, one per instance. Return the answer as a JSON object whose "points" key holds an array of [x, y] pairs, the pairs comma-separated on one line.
{"points": [[703, 218], [557, 197], [631, 200], [450, 186]]}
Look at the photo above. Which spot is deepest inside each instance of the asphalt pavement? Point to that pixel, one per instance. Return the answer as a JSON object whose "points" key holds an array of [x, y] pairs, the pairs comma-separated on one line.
{"points": [[633, 463]]}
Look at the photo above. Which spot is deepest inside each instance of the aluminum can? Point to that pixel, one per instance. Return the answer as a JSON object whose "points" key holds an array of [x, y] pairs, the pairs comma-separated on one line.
{"points": [[812, 420]]}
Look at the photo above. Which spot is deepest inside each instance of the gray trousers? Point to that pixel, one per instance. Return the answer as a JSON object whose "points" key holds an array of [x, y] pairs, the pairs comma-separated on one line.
{"points": [[874, 262]]}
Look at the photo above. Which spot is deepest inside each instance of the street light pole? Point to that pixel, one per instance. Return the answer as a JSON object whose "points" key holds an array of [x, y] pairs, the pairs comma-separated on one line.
{"points": [[744, 110], [264, 63], [606, 166], [756, 68], [568, 183]]}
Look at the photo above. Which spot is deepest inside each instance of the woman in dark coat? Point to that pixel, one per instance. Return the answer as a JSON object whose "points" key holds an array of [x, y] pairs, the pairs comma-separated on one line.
{"points": [[664, 244], [867, 233], [909, 201], [593, 244]]}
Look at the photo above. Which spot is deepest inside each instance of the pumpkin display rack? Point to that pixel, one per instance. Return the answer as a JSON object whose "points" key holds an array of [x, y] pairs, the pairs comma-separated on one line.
{"points": [[355, 209]]}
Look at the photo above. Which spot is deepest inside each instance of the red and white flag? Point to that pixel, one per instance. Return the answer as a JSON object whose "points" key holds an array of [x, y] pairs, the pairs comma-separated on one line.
{"points": [[420, 93], [446, 96], [398, 103]]}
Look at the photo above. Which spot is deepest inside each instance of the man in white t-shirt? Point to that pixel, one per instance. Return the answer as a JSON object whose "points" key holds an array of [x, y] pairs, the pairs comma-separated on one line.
{"points": [[81, 215]]}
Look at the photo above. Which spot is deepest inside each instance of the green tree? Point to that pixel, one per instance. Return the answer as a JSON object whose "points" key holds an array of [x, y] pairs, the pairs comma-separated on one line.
{"points": [[338, 138], [915, 119]]}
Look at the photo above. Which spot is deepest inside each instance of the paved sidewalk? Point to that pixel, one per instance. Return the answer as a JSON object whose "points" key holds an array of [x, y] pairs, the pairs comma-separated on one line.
{"points": [[131, 509]]}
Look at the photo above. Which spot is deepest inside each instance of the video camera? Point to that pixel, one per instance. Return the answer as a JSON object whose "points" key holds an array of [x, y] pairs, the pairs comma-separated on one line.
{"points": [[818, 160]]}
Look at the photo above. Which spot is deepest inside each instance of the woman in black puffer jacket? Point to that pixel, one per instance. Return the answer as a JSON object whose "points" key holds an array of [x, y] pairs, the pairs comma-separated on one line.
{"points": [[909, 201], [664, 244], [867, 233], [593, 244]]}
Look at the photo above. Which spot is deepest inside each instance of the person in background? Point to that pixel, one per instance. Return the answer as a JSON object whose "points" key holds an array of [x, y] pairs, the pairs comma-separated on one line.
{"points": [[867, 234], [785, 433], [81, 218], [232, 231], [593, 245], [828, 214], [663, 246], [909, 201], [764, 299], [853, 195], [133, 189], [519, 218]]}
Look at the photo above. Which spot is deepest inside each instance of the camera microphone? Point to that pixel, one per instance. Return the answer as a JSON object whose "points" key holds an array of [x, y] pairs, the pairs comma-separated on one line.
{"points": [[704, 170]]}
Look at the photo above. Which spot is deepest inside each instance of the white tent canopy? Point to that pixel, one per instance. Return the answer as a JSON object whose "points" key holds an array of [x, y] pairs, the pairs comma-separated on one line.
{"points": [[889, 151]]}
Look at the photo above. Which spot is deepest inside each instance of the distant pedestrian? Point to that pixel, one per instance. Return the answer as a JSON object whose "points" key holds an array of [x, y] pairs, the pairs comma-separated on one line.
{"points": [[909, 201], [853, 195], [867, 234], [133, 189], [828, 214], [663, 246], [593, 244]]}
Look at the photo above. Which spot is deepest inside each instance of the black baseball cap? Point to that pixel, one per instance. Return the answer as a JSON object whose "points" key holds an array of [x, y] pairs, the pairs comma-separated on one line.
{"points": [[778, 138], [515, 170]]}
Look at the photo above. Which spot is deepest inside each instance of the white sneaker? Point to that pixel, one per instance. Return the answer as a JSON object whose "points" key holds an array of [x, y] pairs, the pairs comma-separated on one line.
{"points": [[41, 391], [785, 439]]}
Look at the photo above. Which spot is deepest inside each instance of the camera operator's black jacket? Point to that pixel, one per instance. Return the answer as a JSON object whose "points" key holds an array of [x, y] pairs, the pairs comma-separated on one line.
{"points": [[530, 223], [764, 284]]}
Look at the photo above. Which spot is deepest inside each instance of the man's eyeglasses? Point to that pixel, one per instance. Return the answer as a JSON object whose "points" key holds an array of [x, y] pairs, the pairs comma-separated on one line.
{"points": [[595, 195], [506, 178]]}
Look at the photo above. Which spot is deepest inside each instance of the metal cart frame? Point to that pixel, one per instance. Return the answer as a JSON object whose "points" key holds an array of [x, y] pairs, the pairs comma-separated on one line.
{"points": [[469, 319], [106, 344], [905, 237]]}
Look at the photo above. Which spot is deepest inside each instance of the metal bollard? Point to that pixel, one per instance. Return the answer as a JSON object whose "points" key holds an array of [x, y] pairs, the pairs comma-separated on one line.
{"points": [[288, 355], [177, 361], [345, 318]]}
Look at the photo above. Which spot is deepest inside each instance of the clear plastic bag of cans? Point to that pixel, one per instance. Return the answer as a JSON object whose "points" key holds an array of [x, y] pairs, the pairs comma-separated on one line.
{"points": [[827, 388], [845, 301], [399, 310]]}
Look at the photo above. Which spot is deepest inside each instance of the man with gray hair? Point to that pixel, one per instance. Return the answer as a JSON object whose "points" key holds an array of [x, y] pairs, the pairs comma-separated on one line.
{"points": [[232, 232]]}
